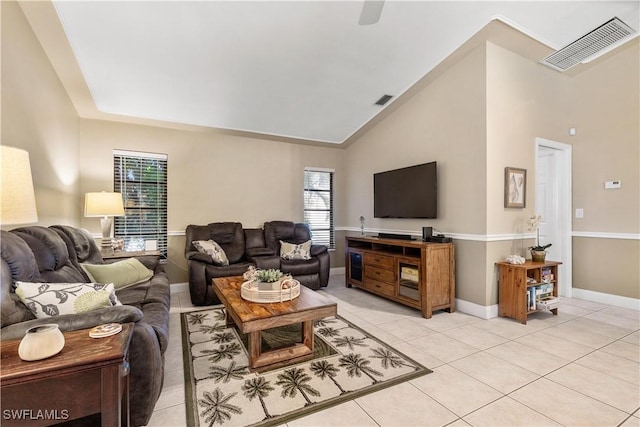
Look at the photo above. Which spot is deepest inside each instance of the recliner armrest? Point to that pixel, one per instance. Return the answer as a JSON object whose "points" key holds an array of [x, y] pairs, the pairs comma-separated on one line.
{"points": [[266, 262], [317, 250], [199, 256], [255, 252], [73, 322]]}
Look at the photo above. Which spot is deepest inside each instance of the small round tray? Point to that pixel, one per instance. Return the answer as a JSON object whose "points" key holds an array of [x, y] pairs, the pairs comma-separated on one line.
{"points": [[249, 291]]}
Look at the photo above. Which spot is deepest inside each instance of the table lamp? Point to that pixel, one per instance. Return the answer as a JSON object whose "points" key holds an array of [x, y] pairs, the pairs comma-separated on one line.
{"points": [[16, 186], [104, 205]]}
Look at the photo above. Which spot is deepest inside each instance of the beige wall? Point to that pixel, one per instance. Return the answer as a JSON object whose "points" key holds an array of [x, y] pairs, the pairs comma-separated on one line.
{"points": [[525, 100], [38, 116], [604, 111], [445, 122], [606, 114], [212, 177]]}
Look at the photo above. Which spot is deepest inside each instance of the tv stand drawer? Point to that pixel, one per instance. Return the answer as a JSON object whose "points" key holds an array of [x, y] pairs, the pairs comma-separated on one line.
{"points": [[379, 287], [379, 274], [381, 261]]}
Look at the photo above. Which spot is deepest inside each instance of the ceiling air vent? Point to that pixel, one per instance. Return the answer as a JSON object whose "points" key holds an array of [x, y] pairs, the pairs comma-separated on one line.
{"points": [[384, 99], [588, 45]]}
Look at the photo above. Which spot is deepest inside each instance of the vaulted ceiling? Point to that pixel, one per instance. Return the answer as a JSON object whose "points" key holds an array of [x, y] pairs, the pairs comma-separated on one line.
{"points": [[295, 69]]}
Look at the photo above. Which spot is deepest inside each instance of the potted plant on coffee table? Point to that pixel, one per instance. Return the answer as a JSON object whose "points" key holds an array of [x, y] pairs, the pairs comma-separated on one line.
{"points": [[538, 252], [268, 279]]}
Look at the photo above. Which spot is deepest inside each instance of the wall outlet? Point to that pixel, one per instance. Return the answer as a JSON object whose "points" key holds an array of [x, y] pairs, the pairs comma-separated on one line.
{"points": [[612, 184], [579, 213]]}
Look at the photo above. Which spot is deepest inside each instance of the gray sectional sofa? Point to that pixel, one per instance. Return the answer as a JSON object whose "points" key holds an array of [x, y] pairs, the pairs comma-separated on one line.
{"points": [[53, 255]]}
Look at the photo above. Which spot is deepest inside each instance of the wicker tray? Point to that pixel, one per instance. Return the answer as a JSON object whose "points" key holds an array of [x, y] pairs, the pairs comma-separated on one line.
{"points": [[249, 291]]}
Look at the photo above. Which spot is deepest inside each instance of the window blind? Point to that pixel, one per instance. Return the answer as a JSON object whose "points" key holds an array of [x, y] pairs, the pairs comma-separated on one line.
{"points": [[142, 180], [318, 205]]}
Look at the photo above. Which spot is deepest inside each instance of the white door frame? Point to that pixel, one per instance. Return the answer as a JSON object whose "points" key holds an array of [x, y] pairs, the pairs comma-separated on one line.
{"points": [[563, 156]]}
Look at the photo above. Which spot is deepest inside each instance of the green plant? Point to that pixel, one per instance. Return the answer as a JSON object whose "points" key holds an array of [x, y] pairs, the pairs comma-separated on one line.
{"points": [[269, 276], [533, 223]]}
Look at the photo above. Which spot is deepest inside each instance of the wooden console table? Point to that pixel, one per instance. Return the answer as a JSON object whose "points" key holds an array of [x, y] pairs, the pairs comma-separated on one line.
{"points": [[414, 273], [89, 376]]}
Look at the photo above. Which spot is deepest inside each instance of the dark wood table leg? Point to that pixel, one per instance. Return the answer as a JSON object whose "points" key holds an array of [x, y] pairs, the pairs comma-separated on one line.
{"points": [[111, 396], [115, 396], [255, 347], [307, 334], [124, 413]]}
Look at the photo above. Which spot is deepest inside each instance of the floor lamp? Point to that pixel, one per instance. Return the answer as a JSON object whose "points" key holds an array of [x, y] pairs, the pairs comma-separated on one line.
{"points": [[18, 200], [105, 205]]}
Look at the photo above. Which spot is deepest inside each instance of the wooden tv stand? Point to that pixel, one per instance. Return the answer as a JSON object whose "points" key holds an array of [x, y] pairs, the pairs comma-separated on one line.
{"points": [[414, 273]]}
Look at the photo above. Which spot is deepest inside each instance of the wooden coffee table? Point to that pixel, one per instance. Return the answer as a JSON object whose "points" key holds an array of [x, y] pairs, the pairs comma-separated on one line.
{"points": [[89, 376], [251, 318]]}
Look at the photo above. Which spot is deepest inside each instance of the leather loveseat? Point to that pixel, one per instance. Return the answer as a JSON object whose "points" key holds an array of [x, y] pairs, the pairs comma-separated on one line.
{"points": [[244, 247], [53, 255]]}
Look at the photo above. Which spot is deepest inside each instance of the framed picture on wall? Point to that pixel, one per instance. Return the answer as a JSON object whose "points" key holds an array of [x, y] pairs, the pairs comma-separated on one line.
{"points": [[515, 187]]}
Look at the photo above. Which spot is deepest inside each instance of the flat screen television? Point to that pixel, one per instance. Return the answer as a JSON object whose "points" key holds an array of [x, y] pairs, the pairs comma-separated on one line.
{"points": [[410, 192]]}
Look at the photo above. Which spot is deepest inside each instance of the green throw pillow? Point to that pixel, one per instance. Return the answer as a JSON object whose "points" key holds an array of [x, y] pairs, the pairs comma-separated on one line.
{"points": [[122, 274], [56, 299]]}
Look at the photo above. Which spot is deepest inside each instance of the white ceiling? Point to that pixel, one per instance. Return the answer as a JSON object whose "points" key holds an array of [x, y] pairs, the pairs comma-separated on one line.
{"points": [[299, 69]]}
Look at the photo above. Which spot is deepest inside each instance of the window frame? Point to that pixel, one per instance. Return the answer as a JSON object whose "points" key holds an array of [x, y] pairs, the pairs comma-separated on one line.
{"points": [[331, 209], [158, 214]]}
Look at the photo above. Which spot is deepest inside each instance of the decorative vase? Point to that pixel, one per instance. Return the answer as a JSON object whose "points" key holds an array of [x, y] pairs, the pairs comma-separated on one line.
{"points": [[41, 342], [538, 256]]}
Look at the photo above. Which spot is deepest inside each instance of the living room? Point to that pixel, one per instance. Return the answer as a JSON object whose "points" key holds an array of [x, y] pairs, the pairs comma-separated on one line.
{"points": [[476, 113]]}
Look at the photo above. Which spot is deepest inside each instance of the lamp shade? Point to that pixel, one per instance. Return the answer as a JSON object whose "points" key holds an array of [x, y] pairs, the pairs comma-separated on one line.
{"points": [[16, 186], [103, 204]]}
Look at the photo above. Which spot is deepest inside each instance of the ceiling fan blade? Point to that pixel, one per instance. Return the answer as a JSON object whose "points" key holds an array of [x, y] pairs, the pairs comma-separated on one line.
{"points": [[371, 10]]}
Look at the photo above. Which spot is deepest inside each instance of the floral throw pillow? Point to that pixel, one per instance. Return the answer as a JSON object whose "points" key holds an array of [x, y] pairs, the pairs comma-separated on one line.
{"points": [[212, 249], [293, 251], [56, 299]]}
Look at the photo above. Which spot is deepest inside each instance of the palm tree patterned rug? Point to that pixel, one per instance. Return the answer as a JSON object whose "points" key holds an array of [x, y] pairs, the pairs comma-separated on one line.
{"points": [[220, 389]]}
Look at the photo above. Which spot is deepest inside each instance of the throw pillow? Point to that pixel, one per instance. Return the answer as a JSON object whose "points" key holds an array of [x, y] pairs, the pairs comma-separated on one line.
{"points": [[55, 299], [293, 251], [212, 249], [122, 274]]}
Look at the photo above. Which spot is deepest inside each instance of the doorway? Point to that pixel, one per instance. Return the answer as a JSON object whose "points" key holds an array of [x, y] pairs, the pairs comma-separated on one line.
{"points": [[553, 203]]}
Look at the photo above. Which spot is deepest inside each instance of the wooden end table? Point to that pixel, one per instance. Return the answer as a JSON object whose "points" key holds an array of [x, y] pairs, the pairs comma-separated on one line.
{"points": [[111, 255], [89, 376], [251, 318]]}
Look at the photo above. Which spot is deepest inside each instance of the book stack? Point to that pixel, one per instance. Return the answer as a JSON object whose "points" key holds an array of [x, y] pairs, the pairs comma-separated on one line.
{"points": [[541, 297]]}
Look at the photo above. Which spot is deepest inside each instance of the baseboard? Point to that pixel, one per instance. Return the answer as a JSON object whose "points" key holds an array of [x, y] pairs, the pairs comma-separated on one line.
{"points": [[178, 288], [337, 271], [477, 310], [610, 299]]}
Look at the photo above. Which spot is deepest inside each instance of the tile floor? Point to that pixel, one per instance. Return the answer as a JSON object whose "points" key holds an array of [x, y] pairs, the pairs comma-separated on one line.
{"points": [[580, 368]]}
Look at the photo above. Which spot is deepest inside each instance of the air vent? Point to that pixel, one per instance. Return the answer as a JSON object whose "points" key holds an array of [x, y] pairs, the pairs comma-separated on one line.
{"points": [[588, 45], [384, 99]]}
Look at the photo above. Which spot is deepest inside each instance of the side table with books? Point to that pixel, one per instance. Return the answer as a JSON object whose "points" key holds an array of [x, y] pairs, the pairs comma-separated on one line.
{"points": [[527, 288]]}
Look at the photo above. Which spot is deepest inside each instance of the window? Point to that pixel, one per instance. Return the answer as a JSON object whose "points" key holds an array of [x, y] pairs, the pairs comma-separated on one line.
{"points": [[142, 180], [318, 205]]}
